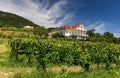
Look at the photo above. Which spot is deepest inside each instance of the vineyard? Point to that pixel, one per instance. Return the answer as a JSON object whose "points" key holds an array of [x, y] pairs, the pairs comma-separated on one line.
{"points": [[68, 52]]}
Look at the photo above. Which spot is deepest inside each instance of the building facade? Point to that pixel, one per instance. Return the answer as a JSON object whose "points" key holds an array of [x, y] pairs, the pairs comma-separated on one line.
{"points": [[28, 27], [78, 30]]}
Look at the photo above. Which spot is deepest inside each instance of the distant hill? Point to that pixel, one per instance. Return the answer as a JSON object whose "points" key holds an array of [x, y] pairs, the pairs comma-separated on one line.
{"points": [[12, 20]]}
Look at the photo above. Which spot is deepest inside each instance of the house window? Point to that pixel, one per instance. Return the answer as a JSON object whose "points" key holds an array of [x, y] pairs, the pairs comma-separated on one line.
{"points": [[75, 32], [81, 32], [84, 32], [78, 32]]}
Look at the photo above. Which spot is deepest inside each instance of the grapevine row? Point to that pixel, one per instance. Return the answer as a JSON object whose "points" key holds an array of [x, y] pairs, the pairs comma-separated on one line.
{"points": [[69, 52]]}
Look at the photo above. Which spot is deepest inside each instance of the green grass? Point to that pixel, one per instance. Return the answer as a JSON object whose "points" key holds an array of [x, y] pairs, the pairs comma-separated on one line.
{"points": [[111, 73], [35, 74]]}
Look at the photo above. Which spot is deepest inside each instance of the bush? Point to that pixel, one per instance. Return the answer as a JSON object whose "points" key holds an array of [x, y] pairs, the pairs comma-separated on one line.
{"points": [[57, 35], [1, 34], [18, 75]]}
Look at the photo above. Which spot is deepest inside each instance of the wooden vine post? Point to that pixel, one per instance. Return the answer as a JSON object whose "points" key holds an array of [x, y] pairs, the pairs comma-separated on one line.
{"points": [[15, 47]]}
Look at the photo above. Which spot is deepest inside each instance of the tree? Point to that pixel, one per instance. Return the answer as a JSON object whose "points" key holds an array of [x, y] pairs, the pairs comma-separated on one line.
{"points": [[50, 29], [109, 37], [91, 32], [97, 37], [40, 31]]}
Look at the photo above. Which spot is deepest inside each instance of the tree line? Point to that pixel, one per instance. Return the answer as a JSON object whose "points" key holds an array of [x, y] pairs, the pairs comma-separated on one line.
{"points": [[106, 37]]}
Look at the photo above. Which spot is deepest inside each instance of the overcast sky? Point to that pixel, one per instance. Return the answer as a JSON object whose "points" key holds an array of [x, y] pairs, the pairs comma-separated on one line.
{"points": [[103, 15]]}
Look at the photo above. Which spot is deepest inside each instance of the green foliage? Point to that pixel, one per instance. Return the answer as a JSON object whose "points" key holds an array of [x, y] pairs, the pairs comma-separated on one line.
{"points": [[108, 37], [68, 52], [57, 35], [1, 34], [74, 36], [105, 37], [18, 75], [50, 29], [91, 32], [40, 31]]}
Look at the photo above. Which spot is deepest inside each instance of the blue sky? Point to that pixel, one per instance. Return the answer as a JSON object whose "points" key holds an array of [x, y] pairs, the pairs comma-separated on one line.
{"points": [[103, 15]]}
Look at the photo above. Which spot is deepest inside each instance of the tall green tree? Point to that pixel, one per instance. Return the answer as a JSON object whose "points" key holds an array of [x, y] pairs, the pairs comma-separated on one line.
{"points": [[109, 37], [91, 32]]}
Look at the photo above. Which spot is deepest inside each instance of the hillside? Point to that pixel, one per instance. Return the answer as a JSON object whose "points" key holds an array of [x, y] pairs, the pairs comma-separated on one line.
{"points": [[12, 20]]}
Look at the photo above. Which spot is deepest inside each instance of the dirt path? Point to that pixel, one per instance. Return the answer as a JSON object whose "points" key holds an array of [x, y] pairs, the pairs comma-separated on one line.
{"points": [[2, 48], [6, 72], [67, 68]]}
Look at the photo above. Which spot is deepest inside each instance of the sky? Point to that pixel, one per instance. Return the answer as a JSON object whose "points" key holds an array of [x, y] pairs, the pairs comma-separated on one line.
{"points": [[102, 15]]}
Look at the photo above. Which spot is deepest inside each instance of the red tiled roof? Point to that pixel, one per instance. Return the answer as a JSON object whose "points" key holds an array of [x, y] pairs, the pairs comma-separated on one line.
{"points": [[71, 27], [75, 26], [68, 27]]}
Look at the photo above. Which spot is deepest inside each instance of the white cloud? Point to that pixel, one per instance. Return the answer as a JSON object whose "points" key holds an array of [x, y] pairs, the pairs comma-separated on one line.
{"points": [[40, 13], [117, 33], [100, 27]]}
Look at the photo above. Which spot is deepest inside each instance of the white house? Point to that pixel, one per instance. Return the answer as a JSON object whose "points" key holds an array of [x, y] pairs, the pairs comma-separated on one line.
{"points": [[28, 27], [78, 29]]}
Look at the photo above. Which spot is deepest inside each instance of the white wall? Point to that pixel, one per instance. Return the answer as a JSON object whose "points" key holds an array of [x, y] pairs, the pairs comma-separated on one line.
{"points": [[69, 32], [82, 31]]}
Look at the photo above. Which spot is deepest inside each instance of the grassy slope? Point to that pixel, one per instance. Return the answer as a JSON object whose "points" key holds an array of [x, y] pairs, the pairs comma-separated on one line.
{"points": [[12, 20]]}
